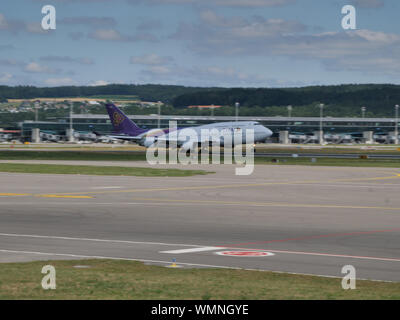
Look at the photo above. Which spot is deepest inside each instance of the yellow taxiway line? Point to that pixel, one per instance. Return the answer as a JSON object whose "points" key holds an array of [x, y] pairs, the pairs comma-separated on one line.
{"points": [[264, 204], [43, 195], [62, 196], [85, 195], [14, 194], [231, 186]]}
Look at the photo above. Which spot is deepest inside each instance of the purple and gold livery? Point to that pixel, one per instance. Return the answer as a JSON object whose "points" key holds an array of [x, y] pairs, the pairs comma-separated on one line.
{"points": [[122, 125], [125, 129]]}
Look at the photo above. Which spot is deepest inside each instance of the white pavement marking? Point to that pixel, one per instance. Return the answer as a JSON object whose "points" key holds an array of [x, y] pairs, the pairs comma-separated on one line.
{"points": [[180, 263], [106, 188], [245, 254], [192, 250], [112, 258], [322, 254], [353, 185], [202, 247], [96, 240]]}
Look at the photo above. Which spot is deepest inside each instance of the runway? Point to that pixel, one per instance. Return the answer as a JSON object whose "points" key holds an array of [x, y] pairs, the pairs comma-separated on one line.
{"points": [[329, 155], [314, 220]]}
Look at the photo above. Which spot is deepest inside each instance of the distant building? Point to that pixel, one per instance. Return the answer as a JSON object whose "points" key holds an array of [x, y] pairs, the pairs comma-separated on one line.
{"points": [[297, 126], [204, 107], [145, 104]]}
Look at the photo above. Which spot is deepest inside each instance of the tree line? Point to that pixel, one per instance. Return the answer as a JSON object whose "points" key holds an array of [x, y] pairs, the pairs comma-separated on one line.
{"points": [[341, 100], [150, 92]]}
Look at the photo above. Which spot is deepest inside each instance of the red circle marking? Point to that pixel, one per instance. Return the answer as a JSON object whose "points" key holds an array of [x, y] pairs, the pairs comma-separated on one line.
{"points": [[245, 253]]}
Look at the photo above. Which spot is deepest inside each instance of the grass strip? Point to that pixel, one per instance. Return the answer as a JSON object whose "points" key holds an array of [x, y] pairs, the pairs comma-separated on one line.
{"points": [[97, 170], [114, 279]]}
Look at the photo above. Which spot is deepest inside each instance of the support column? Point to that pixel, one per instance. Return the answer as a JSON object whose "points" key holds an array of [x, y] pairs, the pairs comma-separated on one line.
{"points": [[392, 139], [70, 135], [320, 136], [284, 137], [35, 135], [368, 137]]}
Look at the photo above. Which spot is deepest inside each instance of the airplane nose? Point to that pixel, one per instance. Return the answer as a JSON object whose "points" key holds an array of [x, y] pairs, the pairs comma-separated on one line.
{"points": [[268, 132]]}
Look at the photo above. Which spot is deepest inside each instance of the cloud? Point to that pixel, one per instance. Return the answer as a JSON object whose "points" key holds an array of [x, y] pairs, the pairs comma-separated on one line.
{"points": [[5, 77], [150, 59], [13, 26], [253, 3], [144, 36], [159, 70], [108, 34], [331, 45], [98, 83], [368, 3], [59, 82], [115, 35], [89, 21], [35, 27], [34, 67], [11, 63], [362, 51], [204, 75], [149, 25], [373, 65], [17, 26], [3, 22], [233, 34], [67, 59], [221, 3], [6, 47], [216, 35], [76, 35]]}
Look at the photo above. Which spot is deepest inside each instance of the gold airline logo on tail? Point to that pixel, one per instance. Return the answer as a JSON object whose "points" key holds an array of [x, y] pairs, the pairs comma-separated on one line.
{"points": [[117, 119]]}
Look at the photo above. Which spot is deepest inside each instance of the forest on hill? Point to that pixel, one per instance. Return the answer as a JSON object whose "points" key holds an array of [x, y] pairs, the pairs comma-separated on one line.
{"points": [[148, 92], [341, 100], [344, 100]]}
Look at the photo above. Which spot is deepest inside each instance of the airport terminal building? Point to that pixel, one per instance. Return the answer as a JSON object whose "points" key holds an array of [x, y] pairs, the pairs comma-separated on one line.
{"points": [[294, 127]]}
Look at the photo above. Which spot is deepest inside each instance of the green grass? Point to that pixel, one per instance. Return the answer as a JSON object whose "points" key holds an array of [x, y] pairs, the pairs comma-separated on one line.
{"points": [[113, 97], [112, 279], [328, 150], [97, 170], [377, 163], [73, 155], [141, 156]]}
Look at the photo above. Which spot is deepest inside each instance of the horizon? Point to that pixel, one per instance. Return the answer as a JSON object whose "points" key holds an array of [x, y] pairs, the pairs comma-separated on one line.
{"points": [[204, 87]]}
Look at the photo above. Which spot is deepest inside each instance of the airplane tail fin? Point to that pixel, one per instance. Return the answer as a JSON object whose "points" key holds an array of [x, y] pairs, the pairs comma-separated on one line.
{"points": [[121, 123]]}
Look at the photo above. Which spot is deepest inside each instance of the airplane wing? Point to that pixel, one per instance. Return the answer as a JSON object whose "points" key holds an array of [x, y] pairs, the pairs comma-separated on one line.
{"points": [[119, 136], [126, 138]]}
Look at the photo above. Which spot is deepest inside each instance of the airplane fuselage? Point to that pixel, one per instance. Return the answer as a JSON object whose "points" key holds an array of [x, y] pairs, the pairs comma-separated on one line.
{"points": [[222, 133], [215, 133]]}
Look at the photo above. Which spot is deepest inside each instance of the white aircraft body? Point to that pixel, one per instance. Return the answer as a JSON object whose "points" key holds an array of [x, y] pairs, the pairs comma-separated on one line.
{"points": [[187, 139]]}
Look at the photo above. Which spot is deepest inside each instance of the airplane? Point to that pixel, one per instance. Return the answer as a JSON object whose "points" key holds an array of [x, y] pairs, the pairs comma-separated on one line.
{"points": [[126, 129], [51, 136]]}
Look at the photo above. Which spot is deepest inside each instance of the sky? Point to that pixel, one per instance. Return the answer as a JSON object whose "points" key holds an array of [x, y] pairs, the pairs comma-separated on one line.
{"points": [[224, 43]]}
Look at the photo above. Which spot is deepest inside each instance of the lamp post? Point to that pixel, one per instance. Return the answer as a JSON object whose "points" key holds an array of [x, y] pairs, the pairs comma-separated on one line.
{"points": [[71, 106], [363, 109], [396, 131], [159, 115], [37, 106], [290, 108], [71, 131], [237, 105], [321, 116]]}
